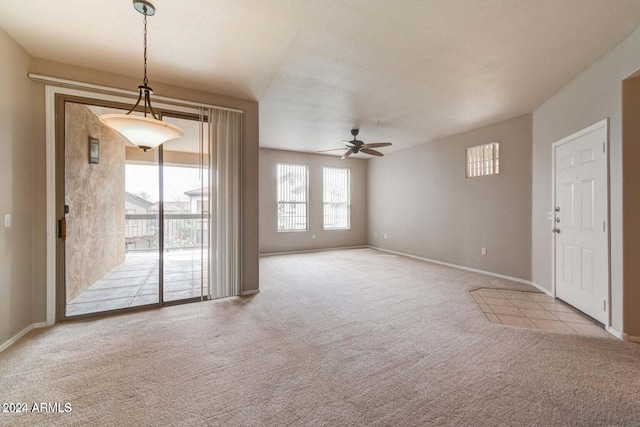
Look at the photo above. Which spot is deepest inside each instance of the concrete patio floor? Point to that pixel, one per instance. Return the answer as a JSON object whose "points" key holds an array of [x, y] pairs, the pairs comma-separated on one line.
{"points": [[135, 282]]}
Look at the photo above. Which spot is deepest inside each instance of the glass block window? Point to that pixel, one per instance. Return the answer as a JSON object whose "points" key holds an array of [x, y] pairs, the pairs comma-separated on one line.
{"points": [[483, 160]]}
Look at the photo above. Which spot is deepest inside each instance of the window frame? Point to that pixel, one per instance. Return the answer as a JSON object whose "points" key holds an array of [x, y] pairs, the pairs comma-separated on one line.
{"points": [[348, 203], [306, 168]]}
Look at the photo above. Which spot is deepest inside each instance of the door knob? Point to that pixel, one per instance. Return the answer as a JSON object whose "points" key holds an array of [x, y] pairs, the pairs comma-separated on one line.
{"points": [[556, 230], [557, 208]]}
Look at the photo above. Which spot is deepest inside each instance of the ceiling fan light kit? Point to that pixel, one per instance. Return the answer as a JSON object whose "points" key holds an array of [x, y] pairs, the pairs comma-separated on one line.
{"points": [[145, 132], [355, 146]]}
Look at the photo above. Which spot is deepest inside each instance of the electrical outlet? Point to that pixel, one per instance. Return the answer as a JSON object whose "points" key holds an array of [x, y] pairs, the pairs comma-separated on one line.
{"points": [[385, 236], [313, 236], [7, 221], [483, 251]]}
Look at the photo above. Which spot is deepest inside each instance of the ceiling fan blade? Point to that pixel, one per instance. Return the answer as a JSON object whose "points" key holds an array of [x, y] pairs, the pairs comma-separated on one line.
{"points": [[347, 154], [372, 152], [376, 145], [333, 149], [348, 142]]}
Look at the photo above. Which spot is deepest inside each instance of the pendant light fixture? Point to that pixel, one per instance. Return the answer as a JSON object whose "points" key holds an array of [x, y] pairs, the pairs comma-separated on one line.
{"points": [[146, 132]]}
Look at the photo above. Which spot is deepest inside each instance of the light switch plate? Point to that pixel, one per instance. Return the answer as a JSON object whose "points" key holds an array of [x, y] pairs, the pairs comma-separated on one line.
{"points": [[7, 220]]}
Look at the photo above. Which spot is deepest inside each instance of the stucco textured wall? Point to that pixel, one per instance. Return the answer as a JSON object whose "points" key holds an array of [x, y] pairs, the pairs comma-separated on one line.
{"points": [[95, 195]]}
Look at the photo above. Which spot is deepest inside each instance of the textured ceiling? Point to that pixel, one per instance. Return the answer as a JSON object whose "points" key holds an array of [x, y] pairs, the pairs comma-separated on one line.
{"points": [[405, 71]]}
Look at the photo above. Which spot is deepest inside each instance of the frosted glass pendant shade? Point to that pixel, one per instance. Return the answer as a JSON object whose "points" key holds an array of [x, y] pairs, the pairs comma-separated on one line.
{"points": [[144, 132]]}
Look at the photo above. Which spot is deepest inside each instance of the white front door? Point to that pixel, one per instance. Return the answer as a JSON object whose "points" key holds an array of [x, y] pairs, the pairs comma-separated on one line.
{"points": [[581, 221]]}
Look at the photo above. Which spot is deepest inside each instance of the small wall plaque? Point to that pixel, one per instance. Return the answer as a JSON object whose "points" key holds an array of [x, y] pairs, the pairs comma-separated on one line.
{"points": [[94, 151]]}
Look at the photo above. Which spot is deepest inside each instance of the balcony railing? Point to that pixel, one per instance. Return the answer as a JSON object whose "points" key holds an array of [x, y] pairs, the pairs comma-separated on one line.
{"points": [[181, 231]]}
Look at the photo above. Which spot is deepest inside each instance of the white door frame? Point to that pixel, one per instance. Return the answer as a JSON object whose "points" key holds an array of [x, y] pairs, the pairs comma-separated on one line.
{"points": [[599, 125], [50, 153]]}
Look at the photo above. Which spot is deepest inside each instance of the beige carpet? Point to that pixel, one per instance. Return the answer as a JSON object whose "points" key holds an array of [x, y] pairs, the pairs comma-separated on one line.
{"points": [[334, 338]]}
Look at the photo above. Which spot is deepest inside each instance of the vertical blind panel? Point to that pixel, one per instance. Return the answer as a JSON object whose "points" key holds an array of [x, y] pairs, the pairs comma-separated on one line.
{"points": [[483, 160], [292, 197], [226, 144], [336, 198]]}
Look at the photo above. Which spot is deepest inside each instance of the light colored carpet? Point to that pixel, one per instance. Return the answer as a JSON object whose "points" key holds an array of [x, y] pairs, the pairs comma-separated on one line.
{"points": [[334, 338]]}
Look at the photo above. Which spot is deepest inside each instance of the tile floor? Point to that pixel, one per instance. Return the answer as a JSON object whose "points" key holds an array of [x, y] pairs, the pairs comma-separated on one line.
{"points": [[135, 282], [534, 311]]}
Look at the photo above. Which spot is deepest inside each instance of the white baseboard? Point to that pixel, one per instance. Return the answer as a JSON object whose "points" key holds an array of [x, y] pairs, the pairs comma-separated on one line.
{"points": [[313, 250], [15, 338], [546, 291], [20, 334], [251, 292], [615, 333], [462, 267], [622, 335]]}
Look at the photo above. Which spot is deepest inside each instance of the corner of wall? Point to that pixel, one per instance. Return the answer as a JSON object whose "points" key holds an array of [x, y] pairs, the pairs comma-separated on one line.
{"points": [[16, 186]]}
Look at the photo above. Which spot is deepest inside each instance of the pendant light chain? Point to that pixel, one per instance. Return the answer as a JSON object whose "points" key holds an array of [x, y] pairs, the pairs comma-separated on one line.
{"points": [[145, 132], [145, 80]]}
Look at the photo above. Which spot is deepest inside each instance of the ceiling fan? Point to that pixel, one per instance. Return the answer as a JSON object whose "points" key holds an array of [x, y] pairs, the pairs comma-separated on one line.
{"points": [[355, 146]]}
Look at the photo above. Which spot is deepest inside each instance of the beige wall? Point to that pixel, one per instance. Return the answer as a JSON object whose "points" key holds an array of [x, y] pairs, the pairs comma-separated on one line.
{"points": [[16, 188], [95, 196], [249, 165], [272, 241], [594, 95], [421, 199]]}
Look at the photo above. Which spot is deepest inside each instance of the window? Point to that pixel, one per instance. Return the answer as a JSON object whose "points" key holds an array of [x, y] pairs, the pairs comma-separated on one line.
{"points": [[199, 206], [130, 223], [293, 188], [336, 198], [483, 160]]}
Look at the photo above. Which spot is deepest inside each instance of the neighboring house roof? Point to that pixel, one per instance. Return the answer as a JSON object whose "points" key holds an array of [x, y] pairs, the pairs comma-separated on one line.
{"points": [[137, 200], [198, 192], [172, 207]]}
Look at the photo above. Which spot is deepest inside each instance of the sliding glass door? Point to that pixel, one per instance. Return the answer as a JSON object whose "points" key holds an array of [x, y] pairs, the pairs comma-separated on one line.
{"points": [[134, 226], [185, 189]]}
